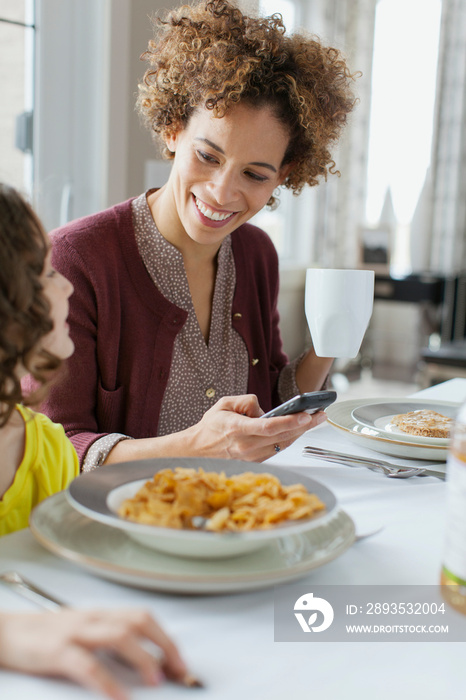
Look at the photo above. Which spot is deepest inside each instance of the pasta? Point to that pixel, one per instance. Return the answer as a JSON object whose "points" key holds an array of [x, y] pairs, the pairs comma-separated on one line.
{"points": [[241, 502]]}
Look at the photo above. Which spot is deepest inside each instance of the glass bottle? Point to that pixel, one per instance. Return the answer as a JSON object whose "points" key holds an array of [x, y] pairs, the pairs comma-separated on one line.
{"points": [[453, 575]]}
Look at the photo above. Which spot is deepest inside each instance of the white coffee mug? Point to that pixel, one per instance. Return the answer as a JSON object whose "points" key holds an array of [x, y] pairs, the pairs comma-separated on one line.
{"points": [[338, 306]]}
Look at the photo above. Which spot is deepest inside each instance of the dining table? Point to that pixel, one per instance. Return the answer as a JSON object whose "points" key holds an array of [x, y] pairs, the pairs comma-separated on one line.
{"points": [[227, 637]]}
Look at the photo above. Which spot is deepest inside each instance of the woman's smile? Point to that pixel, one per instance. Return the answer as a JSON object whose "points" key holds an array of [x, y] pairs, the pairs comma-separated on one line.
{"points": [[211, 216]]}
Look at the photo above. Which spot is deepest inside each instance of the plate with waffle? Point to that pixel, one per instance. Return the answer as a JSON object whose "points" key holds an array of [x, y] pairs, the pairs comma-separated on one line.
{"points": [[417, 428]]}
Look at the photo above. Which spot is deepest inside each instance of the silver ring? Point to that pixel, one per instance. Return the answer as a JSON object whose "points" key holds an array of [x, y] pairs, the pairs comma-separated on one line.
{"points": [[276, 448]]}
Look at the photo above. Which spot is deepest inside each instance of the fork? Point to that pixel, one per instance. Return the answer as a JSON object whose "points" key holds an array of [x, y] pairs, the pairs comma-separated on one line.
{"points": [[389, 469], [29, 590]]}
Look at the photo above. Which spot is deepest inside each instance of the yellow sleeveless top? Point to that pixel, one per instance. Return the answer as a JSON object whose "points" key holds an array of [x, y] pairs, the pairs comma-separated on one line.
{"points": [[49, 464]]}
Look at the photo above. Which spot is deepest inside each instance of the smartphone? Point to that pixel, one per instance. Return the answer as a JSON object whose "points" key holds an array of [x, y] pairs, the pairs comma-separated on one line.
{"points": [[311, 402]]}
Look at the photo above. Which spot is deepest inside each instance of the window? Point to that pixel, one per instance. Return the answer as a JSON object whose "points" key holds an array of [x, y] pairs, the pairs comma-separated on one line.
{"points": [[72, 128], [16, 105], [402, 109]]}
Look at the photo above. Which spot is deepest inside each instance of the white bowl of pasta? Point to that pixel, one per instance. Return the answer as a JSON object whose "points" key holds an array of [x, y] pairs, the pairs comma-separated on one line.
{"points": [[243, 506]]}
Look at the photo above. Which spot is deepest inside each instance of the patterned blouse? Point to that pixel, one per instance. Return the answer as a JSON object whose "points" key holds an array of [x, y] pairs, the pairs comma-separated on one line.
{"points": [[201, 371]]}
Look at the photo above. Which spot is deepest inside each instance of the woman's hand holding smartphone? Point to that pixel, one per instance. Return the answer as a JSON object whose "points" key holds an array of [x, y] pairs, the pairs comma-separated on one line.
{"points": [[310, 402]]}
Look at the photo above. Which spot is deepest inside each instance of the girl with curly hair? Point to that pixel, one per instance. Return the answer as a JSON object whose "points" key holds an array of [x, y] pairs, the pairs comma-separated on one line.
{"points": [[39, 460], [175, 308], [37, 457]]}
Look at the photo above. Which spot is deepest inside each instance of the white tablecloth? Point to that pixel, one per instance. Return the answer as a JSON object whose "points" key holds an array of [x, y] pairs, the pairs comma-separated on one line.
{"points": [[229, 639]]}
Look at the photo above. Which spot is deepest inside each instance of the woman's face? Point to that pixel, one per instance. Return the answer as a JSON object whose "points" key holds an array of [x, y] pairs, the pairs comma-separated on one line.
{"points": [[57, 289], [225, 171]]}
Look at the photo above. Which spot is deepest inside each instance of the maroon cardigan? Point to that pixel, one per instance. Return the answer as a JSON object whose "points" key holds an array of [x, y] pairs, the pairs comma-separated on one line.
{"points": [[124, 329]]}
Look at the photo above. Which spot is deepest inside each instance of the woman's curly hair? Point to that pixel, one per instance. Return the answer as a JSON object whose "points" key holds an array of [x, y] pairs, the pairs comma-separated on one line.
{"points": [[24, 310], [212, 55]]}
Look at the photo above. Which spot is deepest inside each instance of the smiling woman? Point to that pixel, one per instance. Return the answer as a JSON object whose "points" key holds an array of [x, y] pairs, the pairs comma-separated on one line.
{"points": [[175, 292]]}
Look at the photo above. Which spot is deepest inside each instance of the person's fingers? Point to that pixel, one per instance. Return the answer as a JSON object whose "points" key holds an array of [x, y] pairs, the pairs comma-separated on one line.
{"points": [[173, 664], [234, 429], [123, 631], [279, 435], [245, 405], [284, 427], [318, 418], [82, 666], [131, 626], [146, 626], [128, 648], [290, 427]]}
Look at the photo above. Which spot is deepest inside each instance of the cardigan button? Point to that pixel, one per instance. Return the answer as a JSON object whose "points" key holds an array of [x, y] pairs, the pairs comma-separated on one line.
{"points": [[254, 361], [237, 315]]}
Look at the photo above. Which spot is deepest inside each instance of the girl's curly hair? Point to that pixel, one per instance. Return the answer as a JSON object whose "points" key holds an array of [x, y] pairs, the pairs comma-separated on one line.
{"points": [[24, 310], [212, 55]]}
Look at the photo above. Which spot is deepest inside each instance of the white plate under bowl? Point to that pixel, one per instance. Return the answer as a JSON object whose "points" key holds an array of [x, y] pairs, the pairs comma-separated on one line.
{"points": [[108, 552], [379, 416], [339, 416], [98, 494]]}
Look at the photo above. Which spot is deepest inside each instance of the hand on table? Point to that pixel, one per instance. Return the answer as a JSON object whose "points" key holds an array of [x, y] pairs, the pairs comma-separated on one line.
{"points": [[61, 644], [233, 429]]}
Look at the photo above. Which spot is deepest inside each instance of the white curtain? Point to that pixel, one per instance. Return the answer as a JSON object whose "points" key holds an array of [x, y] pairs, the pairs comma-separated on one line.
{"points": [[340, 202], [448, 234]]}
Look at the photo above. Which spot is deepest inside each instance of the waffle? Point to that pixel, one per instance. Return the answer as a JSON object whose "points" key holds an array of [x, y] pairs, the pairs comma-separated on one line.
{"points": [[425, 423]]}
